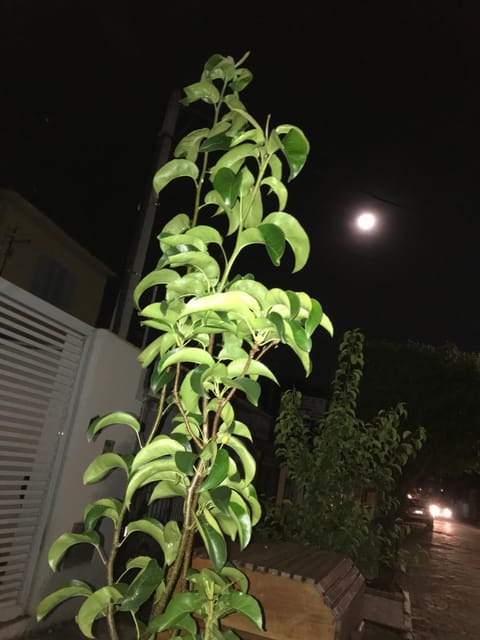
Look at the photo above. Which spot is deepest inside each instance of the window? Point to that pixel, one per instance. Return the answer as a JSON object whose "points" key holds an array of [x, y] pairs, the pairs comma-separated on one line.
{"points": [[53, 283]]}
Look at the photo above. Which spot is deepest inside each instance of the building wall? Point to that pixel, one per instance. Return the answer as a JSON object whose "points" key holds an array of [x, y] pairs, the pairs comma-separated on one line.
{"points": [[38, 256]]}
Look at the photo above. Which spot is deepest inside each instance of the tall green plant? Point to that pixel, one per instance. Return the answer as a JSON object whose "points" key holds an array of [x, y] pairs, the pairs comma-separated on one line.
{"points": [[335, 462], [213, 328]]}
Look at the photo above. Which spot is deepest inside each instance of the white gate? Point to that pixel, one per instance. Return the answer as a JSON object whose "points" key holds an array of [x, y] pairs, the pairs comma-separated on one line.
{"points": [[41, 350]]}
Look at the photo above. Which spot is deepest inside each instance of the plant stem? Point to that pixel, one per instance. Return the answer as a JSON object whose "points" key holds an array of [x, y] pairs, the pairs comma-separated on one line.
{"points": [[112, 629]]}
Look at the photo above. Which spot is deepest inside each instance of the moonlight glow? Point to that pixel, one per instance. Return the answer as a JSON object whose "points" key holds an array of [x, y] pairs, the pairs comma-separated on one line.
{"points": [[366, 221]]}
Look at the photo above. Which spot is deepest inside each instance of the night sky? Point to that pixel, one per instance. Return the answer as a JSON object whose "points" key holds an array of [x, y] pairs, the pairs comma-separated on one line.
{"points": [[387, 93]]}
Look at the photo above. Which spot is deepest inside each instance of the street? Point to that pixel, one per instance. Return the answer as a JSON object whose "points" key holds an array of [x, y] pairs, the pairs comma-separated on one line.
{"points": [[444, 582]]}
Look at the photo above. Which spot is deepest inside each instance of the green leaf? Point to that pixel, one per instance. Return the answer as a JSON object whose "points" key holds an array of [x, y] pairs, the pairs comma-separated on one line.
{"points": [[246, 605], [142, 586], [237, 301], [236, 577], [159, 447], [102, 465], [295, 147], [274, 239], [326, 323], [221, 497], [227, 185], [277, 320], [278, 189], [95, 606], [155, 471], [203, 90], [213, 539], [236, 368], [295, 235], [250, 494], [63, 543], [160, 379], [240, 513], [71, 589], [185, 461], [299, 335], [180, 605], [250, 388], [186, 354], [168, 489], [246, 458], [116, 417], [150, 526], [172, 170], [153, 279], [220, 142], [314, 317], [234, 158], [218, 472], [104, 507], [173, 537], [189, 145]]}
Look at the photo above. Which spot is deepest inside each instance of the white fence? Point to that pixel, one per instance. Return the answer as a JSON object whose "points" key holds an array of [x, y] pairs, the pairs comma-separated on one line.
{"points": [[41, 353]]}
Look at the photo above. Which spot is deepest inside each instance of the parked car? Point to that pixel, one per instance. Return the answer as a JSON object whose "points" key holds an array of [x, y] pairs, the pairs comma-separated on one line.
{"points": [[417, 510]]}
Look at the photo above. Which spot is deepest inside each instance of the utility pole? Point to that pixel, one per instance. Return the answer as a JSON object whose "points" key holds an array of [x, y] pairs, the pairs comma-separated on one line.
{"points": [[124, 310]]}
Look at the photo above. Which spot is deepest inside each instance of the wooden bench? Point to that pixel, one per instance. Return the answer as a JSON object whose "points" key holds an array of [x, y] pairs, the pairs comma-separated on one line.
{"points": [[305, 592]]}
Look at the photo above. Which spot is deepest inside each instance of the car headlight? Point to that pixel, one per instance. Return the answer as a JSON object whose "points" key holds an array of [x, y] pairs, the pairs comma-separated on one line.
{"points": [[434, 510], [447, 513]]}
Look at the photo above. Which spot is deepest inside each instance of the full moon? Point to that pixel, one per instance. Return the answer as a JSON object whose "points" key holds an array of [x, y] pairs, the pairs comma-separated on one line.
{"points": [[366, 221]]}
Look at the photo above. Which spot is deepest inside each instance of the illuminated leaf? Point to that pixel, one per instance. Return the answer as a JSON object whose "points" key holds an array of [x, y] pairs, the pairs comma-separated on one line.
{"points": [[102, 465], [116, 417], [72, 589], [63, 543], [172, 170]]}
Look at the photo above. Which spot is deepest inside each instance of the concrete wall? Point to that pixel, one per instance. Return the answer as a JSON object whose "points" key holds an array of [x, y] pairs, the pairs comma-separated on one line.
{"points": [[34, 236]]}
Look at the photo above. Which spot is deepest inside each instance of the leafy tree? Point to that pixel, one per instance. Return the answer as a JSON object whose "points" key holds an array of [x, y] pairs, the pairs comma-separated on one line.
{"points": [[213, 328], [334, 463], [440, 387]]}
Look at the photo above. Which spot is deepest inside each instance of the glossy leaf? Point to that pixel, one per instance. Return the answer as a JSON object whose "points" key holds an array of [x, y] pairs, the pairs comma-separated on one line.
{"points": [[278, 322], [149, 526], [173, 538], [326, 323], [295, 235], [180, 605], [274, 239], [221, 497], [241, 515], [246, 458], [212, 539], [227, 184], [303, 341], [246, 605], [103, 465], [225, 301], [237, 367], [203, 90], [236, 577], [250, 494], [63, 543], [295, 147], [142, 586], [172, 170], [95, 606], [116, 417], [102, 508], [153, 279], [250, 388], [188, 146], [71, 589], [159, 447], [160, 379], [167, 489], [234, 158], [154, 471], [217, 473], [185, 461], [220, 142], [187, 354]]}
